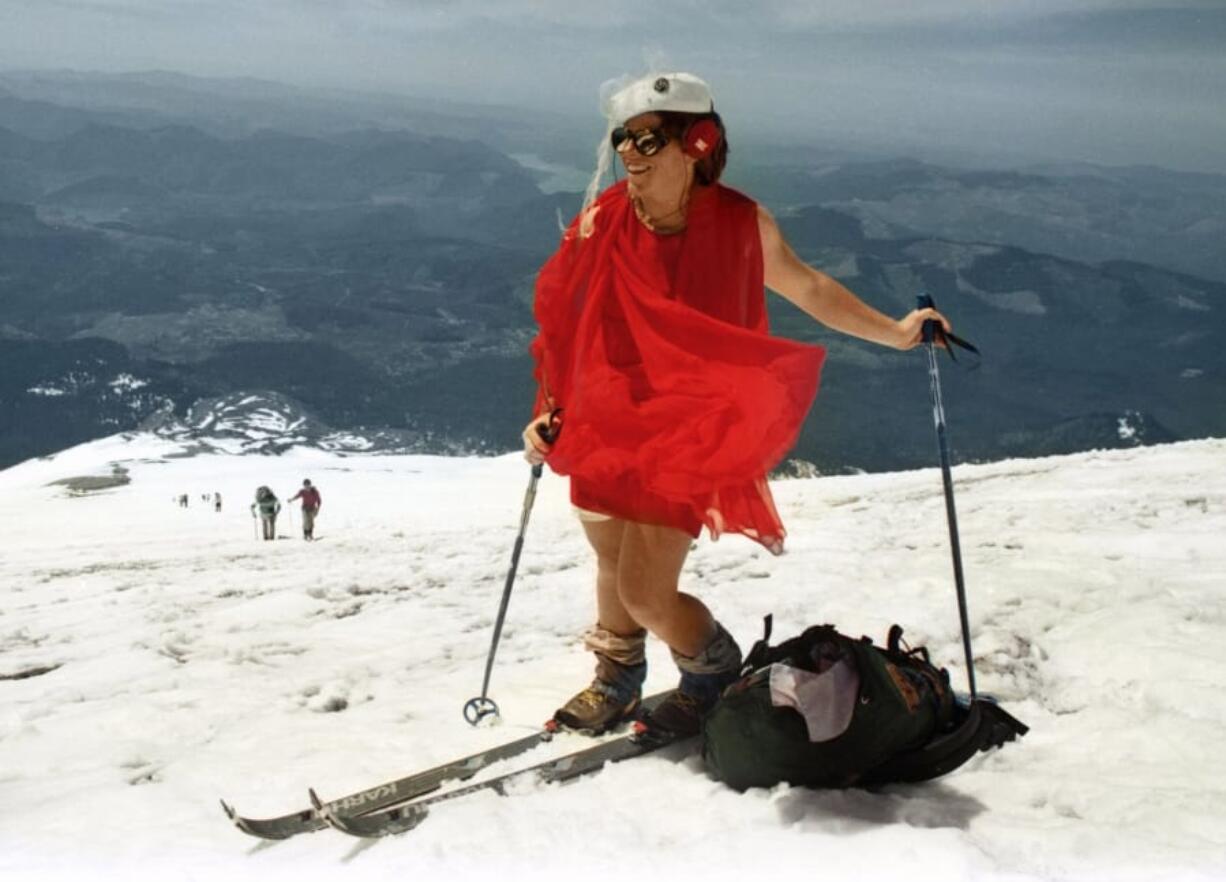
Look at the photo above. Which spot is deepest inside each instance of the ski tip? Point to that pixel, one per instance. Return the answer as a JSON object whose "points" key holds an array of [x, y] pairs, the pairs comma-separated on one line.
{"points": [[241, 823], [316, 802]]}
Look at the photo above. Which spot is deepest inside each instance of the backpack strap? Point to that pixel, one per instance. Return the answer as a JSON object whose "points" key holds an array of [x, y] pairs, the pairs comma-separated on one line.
{"points": [[894, 638], [983, 725], [917, 659], [759, 652], [797, 651], [900, 650]]}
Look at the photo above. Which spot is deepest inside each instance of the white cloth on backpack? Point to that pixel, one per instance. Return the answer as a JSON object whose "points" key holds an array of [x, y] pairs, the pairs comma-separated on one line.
{"points": [[826, 700]]}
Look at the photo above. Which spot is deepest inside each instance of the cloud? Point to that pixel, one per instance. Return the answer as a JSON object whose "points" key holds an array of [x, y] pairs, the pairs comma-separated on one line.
{"points": [[849, 13], [773, 15], [591, 15], [1125, 78]]}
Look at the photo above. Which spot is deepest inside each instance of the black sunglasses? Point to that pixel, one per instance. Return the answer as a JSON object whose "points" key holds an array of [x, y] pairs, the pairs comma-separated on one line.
{"points": [[647, 142]]}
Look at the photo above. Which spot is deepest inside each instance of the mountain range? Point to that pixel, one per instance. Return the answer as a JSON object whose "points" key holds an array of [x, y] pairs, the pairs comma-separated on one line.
{"points": [[380, 277]]}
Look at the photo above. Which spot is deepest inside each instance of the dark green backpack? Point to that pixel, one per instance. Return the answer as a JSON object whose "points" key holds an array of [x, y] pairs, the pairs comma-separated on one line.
{"points": [[898, 704]]}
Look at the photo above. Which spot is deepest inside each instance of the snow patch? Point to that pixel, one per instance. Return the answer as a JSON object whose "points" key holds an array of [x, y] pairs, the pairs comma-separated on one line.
{"points": [[1129, 427], [127, 383]]}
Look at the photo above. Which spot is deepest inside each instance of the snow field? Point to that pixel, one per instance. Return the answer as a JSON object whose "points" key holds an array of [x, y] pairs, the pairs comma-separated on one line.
{"points": [[154, 658]]}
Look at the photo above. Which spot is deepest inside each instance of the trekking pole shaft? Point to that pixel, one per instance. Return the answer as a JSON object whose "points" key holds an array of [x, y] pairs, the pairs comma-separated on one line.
{"points": [[529, 498], [951, 514]]}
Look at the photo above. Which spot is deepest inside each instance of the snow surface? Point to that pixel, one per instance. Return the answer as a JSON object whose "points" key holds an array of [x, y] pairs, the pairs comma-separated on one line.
{"points": [[189, 661]]}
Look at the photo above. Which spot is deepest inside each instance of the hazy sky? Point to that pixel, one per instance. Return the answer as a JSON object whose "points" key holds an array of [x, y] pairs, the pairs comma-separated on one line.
{"points": [[1113, 81]]}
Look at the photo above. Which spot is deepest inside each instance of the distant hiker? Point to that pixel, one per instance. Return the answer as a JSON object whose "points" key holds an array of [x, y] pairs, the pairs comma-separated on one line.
{"points": [[311, 501], [216, 502], [267, 506], [666, 399], [183, 500]]}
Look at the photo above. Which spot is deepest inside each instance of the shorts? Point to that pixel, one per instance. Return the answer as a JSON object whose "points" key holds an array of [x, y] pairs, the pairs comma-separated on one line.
{"points": [[591, 517]]}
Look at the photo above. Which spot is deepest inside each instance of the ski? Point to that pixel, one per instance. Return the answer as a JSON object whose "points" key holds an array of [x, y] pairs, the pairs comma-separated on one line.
{"points": [[398, 791], [408, 787], [408, 815]]}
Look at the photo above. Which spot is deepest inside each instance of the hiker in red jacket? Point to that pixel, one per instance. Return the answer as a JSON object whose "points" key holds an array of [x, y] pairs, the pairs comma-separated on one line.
{"points": [[311, 501]]}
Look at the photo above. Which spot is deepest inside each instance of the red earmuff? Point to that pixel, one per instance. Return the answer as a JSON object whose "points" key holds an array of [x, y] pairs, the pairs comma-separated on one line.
{"points": [[701, 138]]}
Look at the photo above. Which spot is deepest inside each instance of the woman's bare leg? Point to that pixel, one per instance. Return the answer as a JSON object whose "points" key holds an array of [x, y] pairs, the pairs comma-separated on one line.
{"points": [[605, 537], [638, 569], [617, 641], [649, 567]]}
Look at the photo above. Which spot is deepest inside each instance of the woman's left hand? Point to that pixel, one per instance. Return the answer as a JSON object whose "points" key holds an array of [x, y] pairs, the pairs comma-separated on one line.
{"points": [[910, 328]]}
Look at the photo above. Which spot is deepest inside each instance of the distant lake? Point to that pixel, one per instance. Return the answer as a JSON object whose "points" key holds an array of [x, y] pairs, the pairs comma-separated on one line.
{"points": [[552, 177]]}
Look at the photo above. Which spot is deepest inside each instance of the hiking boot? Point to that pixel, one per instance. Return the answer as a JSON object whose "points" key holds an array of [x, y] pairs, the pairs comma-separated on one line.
{"points": [[614, 695], [598, 708], [682, 713], [678, 715], [704, 678]]}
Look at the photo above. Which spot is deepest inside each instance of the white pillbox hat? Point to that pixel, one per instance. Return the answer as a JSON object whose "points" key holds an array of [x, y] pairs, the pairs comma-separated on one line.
{"points": [[681, 92]]}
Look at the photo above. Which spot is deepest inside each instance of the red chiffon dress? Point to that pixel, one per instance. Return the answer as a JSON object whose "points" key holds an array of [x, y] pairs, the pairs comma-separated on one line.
{"points": [[675, 400]]}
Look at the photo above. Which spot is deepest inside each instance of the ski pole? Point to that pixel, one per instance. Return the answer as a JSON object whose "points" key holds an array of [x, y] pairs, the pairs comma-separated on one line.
{"points": [[477, 709], [930, 330]]}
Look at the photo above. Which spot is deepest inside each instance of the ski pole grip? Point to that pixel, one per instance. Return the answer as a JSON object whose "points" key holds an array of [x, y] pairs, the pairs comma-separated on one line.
{"points": [[548, 437], [924, 301], [549, 433]]}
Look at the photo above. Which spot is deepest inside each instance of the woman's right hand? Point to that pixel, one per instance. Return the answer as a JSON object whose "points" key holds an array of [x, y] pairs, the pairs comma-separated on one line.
{"points": [[536, 447]]}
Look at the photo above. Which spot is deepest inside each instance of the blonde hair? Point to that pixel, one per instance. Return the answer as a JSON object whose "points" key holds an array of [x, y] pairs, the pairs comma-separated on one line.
{"points": [[604, 152], [604, 161]]}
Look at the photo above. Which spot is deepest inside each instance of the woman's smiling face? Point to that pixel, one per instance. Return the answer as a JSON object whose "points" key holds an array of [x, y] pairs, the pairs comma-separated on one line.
{"points": [[660, 175]]}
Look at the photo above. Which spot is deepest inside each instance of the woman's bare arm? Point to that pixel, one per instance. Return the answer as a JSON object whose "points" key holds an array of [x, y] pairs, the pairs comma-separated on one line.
{"points": [[829, 302]]}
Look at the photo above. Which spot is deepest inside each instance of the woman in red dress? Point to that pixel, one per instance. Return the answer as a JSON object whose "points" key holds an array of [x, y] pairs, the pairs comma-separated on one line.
{"points": [[665, 397]]}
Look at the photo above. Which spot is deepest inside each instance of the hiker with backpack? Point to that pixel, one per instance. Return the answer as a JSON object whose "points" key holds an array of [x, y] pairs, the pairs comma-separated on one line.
{"points": [[311, 501], [661, 393], [266, 507]]}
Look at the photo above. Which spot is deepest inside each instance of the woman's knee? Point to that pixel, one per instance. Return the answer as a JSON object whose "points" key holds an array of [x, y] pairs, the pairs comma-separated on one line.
{"points": [[646, 602], [649, 569]]}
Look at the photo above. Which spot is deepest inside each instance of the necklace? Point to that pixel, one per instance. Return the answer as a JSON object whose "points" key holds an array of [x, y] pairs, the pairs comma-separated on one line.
{"points": [[659, 224]]}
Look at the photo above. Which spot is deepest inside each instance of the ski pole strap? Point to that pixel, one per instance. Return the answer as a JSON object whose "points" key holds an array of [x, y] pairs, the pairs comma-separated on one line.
{"points": [[934, 331], [949, 337]]}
